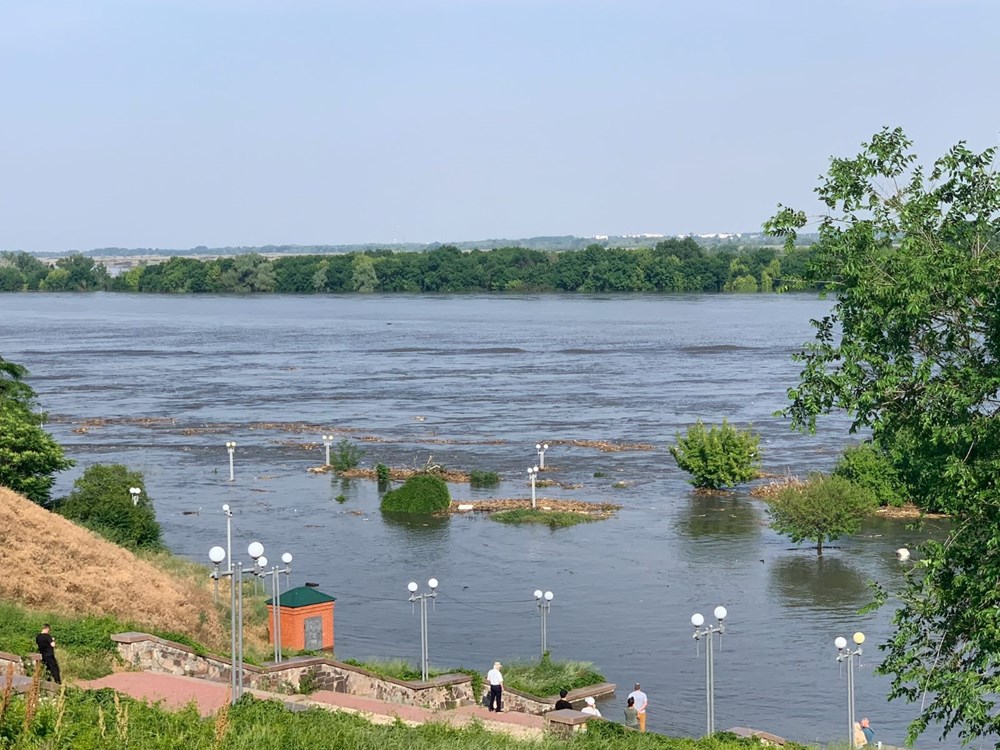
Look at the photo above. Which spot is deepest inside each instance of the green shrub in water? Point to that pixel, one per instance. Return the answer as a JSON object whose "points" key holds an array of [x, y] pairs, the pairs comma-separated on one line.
{"points": [[421, 493], [484, 479], [717, 457]]}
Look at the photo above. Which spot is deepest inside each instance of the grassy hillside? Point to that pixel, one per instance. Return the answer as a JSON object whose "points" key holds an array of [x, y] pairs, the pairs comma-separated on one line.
{"points": [[54, 566]]}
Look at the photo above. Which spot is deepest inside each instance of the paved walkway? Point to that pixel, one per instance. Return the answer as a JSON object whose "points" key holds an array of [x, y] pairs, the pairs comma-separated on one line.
{"points": [[175, 692]]}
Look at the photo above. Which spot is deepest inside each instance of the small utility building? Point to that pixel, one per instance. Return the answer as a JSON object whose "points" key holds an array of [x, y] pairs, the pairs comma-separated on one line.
{"points": [[306, 619]]}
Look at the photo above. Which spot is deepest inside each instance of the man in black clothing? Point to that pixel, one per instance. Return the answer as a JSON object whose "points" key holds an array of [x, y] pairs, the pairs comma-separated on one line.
{"points": [[562, 702], [47, 648]]}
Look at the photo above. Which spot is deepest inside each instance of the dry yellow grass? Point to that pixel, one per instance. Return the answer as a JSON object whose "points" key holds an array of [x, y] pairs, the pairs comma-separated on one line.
{"points": [[66, 569]]}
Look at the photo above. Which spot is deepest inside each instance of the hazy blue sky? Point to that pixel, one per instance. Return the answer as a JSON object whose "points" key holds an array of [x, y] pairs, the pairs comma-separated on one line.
{"points": [[175, 123]]}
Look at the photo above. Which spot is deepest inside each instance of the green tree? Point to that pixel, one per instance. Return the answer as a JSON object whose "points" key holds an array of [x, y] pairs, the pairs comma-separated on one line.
{"points": [[11, 278], [29, 456], [101, 501], [719, 457], [822, 510], [345, 456], [363, 277], [911, 350], [868, 466]]}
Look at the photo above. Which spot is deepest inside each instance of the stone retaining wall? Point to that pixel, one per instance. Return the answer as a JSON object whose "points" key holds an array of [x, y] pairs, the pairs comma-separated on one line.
{"points": [[7, 659], [148, 652]]}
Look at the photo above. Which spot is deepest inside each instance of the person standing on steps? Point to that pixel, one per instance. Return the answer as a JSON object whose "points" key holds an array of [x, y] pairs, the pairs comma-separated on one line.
{"points": [[640, 705], [47, 648], [495, 678]]}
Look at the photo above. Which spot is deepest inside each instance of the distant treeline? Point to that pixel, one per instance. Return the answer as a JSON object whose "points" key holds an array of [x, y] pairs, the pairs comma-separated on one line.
{"points": [[673, 265]]}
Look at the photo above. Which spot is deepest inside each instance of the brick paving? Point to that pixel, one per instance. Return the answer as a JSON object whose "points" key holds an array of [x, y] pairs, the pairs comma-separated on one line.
{"points": [[175, 692]]}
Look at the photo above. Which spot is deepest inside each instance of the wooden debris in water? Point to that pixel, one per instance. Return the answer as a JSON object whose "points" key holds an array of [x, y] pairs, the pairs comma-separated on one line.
{"points": [[605, 445]]}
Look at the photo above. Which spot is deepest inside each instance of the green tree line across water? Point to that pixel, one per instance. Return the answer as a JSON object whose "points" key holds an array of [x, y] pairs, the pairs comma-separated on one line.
{"points": [[673, 265]]}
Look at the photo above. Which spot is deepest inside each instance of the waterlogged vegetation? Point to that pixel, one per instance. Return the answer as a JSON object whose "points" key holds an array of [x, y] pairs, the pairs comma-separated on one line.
{"points": [[89, 720], [546, 677], [672, 265], [479, 478], [719, 456], [555, 519], [421, 493]]}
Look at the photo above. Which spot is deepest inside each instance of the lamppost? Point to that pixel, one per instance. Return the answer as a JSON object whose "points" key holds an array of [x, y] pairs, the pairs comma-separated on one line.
{"points": [[229, 537], [543, 602], [849, 655], [327, 442], [424, 645], [231, 447], [709, 632], [532, 475], [274, 572], [217, 555], [134, 492], [541, 448]]}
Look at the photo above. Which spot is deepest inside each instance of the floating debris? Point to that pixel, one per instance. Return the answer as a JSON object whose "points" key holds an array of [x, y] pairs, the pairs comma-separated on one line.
{"points": [[605, 445]]}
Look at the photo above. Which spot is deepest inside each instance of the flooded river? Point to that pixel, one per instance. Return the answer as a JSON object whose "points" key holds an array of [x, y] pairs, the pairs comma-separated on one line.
{"points": [[473, 382]]}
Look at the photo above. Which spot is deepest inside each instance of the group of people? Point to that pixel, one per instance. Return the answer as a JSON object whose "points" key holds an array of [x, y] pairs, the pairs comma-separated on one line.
{"points": [[635, 709]]}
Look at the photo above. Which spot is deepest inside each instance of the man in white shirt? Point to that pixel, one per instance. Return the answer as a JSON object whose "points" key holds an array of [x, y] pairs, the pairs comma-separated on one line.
{"points": [[495, 679], [590, 708], [640, 706]]}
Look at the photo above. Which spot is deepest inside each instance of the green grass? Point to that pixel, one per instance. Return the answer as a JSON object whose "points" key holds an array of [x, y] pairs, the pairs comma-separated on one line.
{"points": [[92, 721], [545, 677], [556, 519]]}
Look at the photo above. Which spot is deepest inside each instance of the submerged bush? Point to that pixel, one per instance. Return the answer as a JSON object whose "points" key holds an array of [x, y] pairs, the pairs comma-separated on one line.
{"points": [[870, 467], [346, 456], [484, 478], [722, 456], [823, 509], [421, 493]]}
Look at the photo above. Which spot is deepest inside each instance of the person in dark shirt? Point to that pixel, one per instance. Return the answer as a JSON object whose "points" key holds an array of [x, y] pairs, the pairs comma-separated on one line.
{"points": [[562, 702], [47, 648]]}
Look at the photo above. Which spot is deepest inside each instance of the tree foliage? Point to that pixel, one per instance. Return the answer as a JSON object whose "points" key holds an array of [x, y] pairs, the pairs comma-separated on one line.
{"points": [[29, 456], [822, 510], [421, 493], [717, 457], [672, 265], [869, 466], [911, 350], [101, 501]]}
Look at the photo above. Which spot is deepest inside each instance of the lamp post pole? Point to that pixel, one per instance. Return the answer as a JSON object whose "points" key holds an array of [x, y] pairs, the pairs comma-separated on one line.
{"points": [[134, 492], [275, 573], [424, 641], [532, 474], [541, 448], [327, 442], [709, 632], [543, 602], [217, 555], [231, 447], [229, 537], [850, 656]]}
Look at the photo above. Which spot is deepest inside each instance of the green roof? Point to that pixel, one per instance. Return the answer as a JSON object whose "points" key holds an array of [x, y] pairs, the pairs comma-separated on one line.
{"points": [[303, 596]]}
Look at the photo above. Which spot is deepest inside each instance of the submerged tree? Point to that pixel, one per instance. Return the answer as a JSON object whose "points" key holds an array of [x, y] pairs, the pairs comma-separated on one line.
{"points": [[911, 350]]}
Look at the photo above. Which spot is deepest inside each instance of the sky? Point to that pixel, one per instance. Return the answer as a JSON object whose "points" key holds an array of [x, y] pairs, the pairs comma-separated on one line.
{"points": [[179, 123]]}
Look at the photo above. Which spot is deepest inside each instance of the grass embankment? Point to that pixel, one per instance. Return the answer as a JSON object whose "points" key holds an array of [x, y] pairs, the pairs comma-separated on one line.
{"points": [[543, 678], [89, 588], [101, 721]]}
